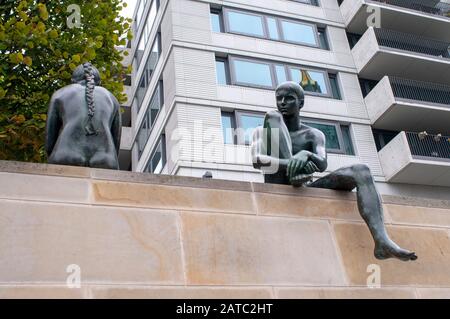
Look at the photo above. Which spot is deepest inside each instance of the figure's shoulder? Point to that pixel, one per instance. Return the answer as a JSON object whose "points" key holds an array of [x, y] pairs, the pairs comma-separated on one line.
{"points": [[64, 91], [313, 132]]}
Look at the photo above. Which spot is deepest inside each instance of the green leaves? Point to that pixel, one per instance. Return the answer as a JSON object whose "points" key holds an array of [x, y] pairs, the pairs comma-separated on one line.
{"points": [[38, 53]]}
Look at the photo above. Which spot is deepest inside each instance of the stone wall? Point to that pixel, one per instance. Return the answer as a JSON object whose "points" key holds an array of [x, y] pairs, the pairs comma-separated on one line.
{"points": [[139, 235]]}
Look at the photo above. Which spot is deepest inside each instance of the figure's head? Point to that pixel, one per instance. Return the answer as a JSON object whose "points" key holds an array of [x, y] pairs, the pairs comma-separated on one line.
{"points": [[290, 98], [79, 75]]}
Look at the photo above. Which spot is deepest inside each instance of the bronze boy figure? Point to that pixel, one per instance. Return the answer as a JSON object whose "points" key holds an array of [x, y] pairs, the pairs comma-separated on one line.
{"points": [[301, 152]]}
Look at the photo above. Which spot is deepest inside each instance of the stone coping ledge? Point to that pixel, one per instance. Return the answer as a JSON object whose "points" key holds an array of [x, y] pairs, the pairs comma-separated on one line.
{"points": [[182, 181]]}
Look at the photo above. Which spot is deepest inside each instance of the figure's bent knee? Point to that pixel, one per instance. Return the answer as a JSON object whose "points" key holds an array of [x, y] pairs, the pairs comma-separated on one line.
{"points": [[274, 117], [362, 172]]}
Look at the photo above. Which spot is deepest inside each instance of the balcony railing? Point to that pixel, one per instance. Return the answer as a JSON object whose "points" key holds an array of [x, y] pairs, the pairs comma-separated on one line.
{"points": [[441, 8], [412, 43], [428, 147], [420, 91]]}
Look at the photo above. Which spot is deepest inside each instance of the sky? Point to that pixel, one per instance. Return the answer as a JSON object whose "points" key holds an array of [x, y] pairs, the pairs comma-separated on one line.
{"points": [[128, 11]]}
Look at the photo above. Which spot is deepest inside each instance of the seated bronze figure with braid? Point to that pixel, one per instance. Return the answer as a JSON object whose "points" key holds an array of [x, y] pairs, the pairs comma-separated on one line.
{"points": [[290, 152], [84, 123]]}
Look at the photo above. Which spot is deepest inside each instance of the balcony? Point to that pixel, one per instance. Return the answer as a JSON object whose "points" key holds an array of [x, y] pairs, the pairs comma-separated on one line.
{"points": [[428, 18], [380, 52], [408, 105], [413, 159]]}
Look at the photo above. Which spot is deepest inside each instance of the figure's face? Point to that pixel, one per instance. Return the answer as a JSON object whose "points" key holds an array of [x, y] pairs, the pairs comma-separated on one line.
{"points": [[288, 102]]}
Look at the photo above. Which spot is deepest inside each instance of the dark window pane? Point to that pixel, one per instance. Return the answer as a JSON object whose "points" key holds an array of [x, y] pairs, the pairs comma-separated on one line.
{"points": [[142, 137], [335, 87], [331, 134], [248, 123], [228, 128], [140, 92], [273, 28], [155, 105], [216, 22], [253, 73], [157, 159], [347, 140], [323, 39], [300, 33], [246, 23], [221, 72]]}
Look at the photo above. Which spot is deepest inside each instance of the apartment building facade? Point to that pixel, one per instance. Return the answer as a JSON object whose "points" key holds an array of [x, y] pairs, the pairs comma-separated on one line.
{"points": [[206, 69]]}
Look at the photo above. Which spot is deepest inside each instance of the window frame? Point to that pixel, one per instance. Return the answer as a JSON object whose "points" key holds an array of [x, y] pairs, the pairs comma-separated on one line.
{"points": [[234, 81], [232, 116], [313, 25], [219, 12], [226, 22], [227, 70], [273, 74], [226, 27], [238, 124]]}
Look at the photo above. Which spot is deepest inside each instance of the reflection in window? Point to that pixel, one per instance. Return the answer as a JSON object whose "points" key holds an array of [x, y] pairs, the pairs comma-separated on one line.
{"points": [[311, 81], [299, 33], [267, 75], [253, 73], [246, 23]]}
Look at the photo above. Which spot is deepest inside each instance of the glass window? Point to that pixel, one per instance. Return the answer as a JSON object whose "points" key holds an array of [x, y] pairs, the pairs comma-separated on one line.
{"points": [[273, 28], [347, 140], [216, 21], [140, 51], [246, 23], [280, 70], [157, 159], [335, 86], [156, 103], [152, 16], [228, 127], [140, 11], [221, 70], [140, 92], [247, 124], [331, 134], [311, 81], [323, 39], [142, 137], [253, 73], [299, 33]]}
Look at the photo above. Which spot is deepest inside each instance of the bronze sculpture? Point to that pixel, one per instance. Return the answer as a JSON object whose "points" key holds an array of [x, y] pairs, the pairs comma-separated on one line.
{"points": [[300, 152], [84, 123]]}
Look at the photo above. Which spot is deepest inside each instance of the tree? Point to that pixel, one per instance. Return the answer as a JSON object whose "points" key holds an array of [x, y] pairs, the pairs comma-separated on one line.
{"points": [[39, 48]]}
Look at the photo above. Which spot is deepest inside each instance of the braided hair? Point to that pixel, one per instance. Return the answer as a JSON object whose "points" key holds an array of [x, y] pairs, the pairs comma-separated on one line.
{"points": [[90, 86]]}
